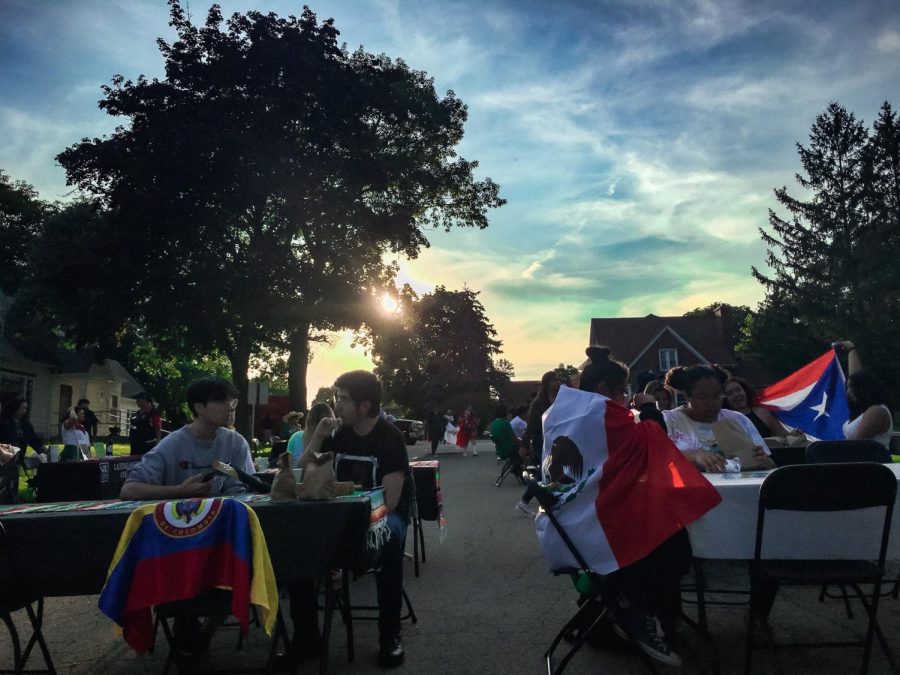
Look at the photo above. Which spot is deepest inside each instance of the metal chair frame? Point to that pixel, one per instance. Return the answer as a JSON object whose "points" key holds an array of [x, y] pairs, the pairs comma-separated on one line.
{"points": [[821, 488]]}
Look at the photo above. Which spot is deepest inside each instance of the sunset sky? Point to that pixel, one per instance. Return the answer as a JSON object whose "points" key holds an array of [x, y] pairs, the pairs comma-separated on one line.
{"points": [[637, 142]]}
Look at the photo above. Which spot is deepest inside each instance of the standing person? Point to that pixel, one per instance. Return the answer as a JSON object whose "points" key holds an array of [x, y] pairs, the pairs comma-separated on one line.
{"points": [[435, 425], [870, 412], [90, 419], [75, 438], [467, 436], [534, 432], [16, 430], [146, 425], [358, 430]]}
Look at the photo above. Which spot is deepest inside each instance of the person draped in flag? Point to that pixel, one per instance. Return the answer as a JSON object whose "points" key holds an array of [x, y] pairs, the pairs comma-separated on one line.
{"points": [[633, 530], [870, 411], [690, 425], [739, 396]]}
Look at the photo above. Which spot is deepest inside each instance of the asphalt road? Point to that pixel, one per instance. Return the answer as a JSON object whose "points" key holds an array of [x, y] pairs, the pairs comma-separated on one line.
{"points": [[485, 604]]}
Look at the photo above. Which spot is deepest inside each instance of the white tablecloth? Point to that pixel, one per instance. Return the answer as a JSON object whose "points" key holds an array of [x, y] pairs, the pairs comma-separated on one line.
{"points": [[729, 529]]}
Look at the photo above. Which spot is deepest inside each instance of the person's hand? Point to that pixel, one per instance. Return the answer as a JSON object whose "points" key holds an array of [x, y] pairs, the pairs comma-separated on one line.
{"points": [[641, 398], [7, 452], [710, 462], [327, 426], [72, 414], [764, 459], [195, 486]]}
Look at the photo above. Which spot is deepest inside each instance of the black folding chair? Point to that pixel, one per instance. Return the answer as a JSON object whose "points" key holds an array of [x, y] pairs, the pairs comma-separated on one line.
{"points": [[821, 488], [14, 597], [596, 602], [819, 452]]}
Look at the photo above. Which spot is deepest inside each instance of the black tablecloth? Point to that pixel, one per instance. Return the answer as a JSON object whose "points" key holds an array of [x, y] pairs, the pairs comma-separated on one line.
{"points": [[77, 481], [68, 553], [426, 492]]}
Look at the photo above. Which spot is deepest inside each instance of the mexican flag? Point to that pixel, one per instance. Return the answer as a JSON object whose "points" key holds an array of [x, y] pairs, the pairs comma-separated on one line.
{"points": [[623, 487]]}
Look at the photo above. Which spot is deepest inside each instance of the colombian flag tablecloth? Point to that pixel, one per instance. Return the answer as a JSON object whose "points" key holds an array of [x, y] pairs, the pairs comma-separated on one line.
{"points": [[178, 550], [623, 487]]}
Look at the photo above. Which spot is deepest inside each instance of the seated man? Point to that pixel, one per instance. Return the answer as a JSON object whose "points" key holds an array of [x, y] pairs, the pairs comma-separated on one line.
{"points": [[180, 465], [358, 430]]}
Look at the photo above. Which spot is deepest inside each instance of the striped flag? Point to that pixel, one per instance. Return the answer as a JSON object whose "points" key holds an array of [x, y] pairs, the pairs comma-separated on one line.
{"points": [[813, 399], [623, 488], [177, 550]]}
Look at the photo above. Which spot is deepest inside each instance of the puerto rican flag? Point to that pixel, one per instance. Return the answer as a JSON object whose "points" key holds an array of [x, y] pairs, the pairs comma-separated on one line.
{"points": [[813, 399], [623, 488]]}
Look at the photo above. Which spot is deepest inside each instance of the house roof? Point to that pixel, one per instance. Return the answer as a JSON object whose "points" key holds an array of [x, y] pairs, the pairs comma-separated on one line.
{"points": [[130, 386], [520, 392], [707, 337]]}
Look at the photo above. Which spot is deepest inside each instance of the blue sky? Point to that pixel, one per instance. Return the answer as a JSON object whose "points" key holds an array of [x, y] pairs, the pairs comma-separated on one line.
{"points": [[637, 142]]}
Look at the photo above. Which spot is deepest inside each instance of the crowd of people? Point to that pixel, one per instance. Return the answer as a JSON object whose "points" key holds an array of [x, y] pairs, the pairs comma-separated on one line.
{"points": [[687, 405]]}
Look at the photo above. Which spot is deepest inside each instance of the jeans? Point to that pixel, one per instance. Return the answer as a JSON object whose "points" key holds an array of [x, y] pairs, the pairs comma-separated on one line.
{"points": [[388, 586]]}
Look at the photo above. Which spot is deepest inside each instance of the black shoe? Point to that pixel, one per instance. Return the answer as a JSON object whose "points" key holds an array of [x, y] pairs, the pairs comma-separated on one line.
{"points": [[646, 632], [391, 653]]}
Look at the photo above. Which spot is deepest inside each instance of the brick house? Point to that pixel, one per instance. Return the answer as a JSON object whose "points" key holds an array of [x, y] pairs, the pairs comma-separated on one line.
{"points": [[658, 343]]}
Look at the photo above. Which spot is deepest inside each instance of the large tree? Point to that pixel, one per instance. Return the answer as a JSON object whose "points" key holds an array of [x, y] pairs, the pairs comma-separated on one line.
{"points": [[439, 349], [22, 216], [833, 260], [255, 191]]}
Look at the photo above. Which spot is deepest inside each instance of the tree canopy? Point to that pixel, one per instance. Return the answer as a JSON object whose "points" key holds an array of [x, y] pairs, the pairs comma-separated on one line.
{"points": [[255, 192], [833, 258], [439, 349]]}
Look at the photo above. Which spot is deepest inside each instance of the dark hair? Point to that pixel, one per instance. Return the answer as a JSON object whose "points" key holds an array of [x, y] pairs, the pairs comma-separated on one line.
{"points": [[83, 401], [521, 411], [685, 378], [602, 369], [145, 396], [316, 413], [11, 406], [361, 385], [743, 384], [500, 411], [868, 391], [208, 389]]}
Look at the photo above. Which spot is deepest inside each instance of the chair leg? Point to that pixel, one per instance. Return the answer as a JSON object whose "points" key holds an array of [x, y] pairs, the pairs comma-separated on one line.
{"points": [[37, 636], [18, 663], [421, 530], [504, 472], [415, 546], [326, 623], [281, 634], [700, 580], [346, 614]]}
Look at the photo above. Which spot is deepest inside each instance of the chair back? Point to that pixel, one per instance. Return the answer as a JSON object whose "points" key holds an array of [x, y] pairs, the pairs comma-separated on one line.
{"points": [[360, 469], [828, 487], [847, 451]]}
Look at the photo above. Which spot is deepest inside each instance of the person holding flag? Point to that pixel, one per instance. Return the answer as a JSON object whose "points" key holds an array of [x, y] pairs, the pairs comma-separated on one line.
{"points": [[868, 400]]}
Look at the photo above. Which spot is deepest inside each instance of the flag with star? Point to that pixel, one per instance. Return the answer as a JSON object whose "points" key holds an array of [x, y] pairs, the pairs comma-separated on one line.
{"points": [[813, 399]]}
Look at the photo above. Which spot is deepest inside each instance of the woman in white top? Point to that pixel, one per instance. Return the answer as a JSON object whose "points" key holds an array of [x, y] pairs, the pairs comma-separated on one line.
{"points": [[870, 414], [690, 425], [76, 442]]}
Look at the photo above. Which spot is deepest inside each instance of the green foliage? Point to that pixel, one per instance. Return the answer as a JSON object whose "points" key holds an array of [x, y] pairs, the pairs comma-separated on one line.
{"points": [[22, 216], [567, 373], [437, 349], [833, 258], [325, 395], [276, 170]]}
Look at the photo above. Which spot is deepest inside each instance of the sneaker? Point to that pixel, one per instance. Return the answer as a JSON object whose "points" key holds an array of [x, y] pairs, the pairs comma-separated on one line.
{"points": [[391, 653], [524, 509], [644, 630], [474, 451]]}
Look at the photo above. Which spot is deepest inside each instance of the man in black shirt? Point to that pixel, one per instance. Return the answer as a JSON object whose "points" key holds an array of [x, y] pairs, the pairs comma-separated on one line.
{"points": [[358, 430]]}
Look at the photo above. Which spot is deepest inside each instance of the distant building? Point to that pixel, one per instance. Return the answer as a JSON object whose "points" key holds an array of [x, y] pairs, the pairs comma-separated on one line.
{"points": [[52, 380], [519, 392], [654, 344]]}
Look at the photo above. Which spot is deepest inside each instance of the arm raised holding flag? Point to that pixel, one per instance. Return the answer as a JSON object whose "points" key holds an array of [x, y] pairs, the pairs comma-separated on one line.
{"points": [[868, 400]]}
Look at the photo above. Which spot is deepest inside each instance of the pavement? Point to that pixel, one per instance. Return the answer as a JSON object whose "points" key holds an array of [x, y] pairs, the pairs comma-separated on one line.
{"points": [[485, 604]]}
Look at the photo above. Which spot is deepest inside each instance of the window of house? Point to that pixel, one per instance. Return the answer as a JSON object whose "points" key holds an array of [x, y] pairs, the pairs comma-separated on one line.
{"points": [[668, 358]]}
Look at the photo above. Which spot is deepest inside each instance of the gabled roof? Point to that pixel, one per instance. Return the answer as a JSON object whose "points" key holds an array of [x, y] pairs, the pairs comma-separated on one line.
{"points": [[707, 337]]}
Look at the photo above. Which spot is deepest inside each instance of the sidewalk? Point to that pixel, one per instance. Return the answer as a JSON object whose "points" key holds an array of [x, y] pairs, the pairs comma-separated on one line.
{"points": [[485, 604]]}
